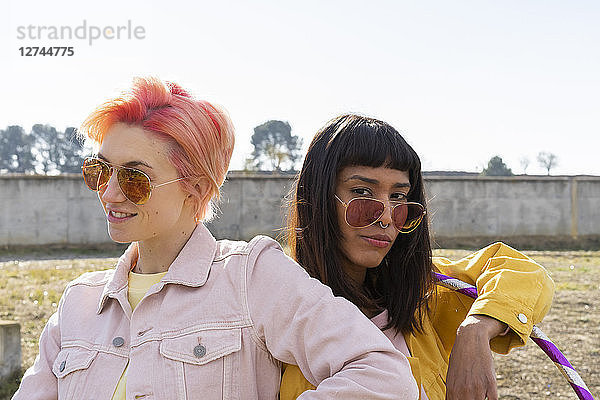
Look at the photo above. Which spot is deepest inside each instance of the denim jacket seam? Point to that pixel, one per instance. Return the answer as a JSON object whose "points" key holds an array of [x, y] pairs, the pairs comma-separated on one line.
{"points": [[174, 334], [148, 339], [217, 325], [244, 292], [89, 284], [84, 281], [94, 347], [229, 254], [181, 282]]}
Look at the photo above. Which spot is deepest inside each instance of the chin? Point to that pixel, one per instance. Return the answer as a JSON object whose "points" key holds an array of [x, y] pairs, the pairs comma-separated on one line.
{"points": [[376, 260], [371, 263], [374, 265], [119, 236]]}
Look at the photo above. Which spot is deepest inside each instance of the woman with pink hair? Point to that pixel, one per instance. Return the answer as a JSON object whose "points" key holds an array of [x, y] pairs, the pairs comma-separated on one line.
{"points": [[182, 315]]}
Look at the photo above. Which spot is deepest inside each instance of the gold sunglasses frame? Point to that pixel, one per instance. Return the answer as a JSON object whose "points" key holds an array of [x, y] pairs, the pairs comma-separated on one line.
{"points": [[418, 220], [117, 168]]}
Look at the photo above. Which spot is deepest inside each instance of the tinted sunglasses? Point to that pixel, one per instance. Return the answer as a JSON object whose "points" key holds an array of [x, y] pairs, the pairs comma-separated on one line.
{"points": [[134, 184], [363, 211]]}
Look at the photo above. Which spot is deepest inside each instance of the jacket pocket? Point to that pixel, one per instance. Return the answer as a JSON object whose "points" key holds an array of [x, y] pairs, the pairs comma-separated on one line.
{"points": [[205, 362], [70, 367]]}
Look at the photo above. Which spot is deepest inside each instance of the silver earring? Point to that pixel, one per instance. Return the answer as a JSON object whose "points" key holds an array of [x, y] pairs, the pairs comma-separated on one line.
{"points": [[383, 226]]}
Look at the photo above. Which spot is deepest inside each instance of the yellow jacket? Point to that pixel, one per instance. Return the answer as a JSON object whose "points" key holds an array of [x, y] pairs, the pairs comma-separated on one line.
{"points": [[512, 288]]}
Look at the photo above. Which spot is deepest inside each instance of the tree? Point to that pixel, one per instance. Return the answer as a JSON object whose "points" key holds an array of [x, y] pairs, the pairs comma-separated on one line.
{"points": [[56, 151], [524, 164], [547, 160], [275, 148], [249, 164], [15, 150], [496, 167]]}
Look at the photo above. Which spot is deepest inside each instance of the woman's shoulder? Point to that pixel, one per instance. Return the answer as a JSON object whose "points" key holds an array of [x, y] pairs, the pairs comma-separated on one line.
{"points": [[262, 259], [254, 246], [264, 256], [86, 289], [92, 279]]}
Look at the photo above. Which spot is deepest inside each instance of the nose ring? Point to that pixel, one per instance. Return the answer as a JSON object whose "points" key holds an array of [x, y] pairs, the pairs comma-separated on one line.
{"points": [[383, 226]]}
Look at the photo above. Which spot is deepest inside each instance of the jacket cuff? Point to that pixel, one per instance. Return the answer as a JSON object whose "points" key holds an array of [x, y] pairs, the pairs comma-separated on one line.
{"points": [[518, 317]]}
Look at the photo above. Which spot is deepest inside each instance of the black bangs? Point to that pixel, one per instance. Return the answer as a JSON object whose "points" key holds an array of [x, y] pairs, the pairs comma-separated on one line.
{"points": [[372, 143]]}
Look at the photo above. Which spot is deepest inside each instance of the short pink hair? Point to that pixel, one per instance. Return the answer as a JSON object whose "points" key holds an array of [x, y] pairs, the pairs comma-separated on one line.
{"points": [[200, 135]]}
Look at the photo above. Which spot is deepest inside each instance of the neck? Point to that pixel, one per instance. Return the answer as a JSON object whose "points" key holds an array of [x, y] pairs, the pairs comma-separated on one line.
{"points": [[357, 275], [156, 255]]}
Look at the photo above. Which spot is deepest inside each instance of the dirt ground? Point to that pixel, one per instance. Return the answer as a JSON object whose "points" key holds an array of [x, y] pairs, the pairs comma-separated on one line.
{"points": [[30, 288]]}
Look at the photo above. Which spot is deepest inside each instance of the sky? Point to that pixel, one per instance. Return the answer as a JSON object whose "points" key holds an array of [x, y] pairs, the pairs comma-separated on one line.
{"points": [[462, 81]]}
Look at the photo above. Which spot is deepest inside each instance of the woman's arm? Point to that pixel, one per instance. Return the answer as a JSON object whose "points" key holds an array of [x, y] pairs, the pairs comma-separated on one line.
{"points": [[512, 288], [471, 373], [39, 382], [514, 291], [337, 348]]}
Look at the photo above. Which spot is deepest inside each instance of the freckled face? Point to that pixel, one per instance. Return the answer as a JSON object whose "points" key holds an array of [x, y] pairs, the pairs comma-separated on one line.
{"points": [[366, 247], [168, 209]]}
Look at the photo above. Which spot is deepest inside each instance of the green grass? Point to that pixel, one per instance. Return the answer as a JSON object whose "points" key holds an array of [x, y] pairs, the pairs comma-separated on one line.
{"points": [[31, 288]]}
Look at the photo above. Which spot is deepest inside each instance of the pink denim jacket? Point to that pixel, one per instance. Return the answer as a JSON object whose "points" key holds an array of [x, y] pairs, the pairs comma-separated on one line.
{"points": [[218, 326]]}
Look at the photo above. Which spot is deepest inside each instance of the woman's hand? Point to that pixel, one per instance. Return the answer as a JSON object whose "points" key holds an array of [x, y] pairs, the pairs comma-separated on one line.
{"points": [[471, 374]]}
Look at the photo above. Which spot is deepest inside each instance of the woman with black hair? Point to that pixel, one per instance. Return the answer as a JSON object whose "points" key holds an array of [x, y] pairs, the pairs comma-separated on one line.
{"points": [[358, 223]]}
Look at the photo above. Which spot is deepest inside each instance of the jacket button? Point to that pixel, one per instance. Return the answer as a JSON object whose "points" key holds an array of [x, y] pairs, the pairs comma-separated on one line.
{"points": [[522, 317], [62, 366], [199, 351], [118, 341]]}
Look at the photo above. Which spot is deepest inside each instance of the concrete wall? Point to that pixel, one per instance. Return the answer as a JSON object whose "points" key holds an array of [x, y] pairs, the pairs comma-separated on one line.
{"points": [[251, 205], [38, 210], [514, 206]]}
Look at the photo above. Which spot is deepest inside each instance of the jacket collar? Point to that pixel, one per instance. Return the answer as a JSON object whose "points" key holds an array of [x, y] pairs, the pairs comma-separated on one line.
{"points": [[190, 267]]}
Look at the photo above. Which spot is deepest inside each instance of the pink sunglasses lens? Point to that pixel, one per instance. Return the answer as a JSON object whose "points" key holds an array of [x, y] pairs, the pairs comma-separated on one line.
{"points": [[408, 216], [400, 215], [363, 212]]}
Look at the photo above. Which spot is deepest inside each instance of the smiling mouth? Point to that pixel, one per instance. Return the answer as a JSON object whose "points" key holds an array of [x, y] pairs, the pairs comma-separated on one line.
{"points": [[119, 215]]}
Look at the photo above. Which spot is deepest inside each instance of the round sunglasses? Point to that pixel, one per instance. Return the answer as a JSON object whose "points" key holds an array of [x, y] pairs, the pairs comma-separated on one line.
{"points": [[364, 211], [134, 184]]}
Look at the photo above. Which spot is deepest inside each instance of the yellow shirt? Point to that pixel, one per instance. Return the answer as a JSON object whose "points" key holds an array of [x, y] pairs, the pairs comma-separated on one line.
{"points": [[512, 288], [138, 286]]}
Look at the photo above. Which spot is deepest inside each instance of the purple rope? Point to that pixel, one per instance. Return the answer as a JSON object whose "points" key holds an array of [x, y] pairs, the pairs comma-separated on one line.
{"points": [[561, 362]]}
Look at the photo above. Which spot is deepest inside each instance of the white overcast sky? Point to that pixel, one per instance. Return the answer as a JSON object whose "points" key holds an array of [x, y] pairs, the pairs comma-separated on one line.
{"points": [[461, 80]]}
